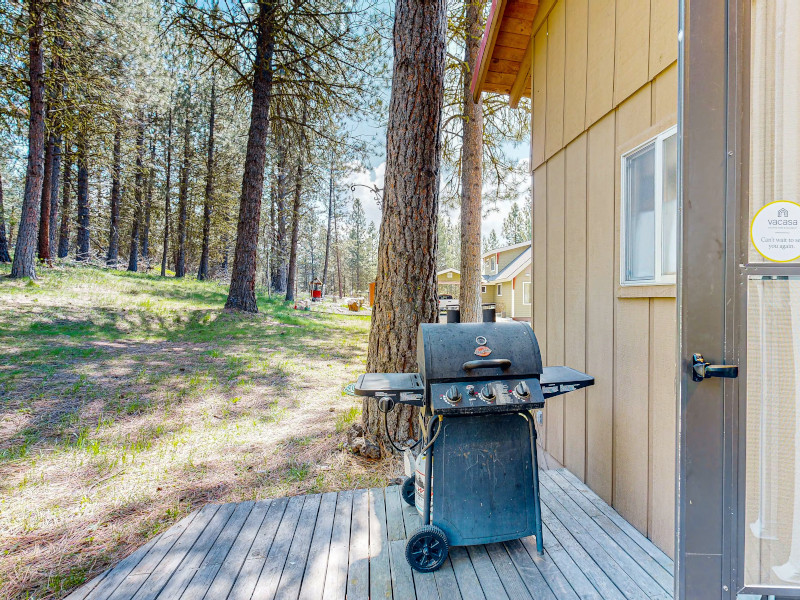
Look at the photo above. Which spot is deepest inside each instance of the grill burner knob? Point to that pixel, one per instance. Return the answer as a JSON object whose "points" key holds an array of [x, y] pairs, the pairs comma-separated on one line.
{"points": [[487, 393], [453, 395], [522, 390]]}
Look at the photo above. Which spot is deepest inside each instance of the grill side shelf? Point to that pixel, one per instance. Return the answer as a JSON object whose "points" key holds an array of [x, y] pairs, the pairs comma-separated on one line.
{"points": [[406, 388], [561, 380]]}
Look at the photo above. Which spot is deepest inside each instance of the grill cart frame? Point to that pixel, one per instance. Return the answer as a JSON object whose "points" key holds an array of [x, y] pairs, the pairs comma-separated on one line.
{"points": [[478, 448]]}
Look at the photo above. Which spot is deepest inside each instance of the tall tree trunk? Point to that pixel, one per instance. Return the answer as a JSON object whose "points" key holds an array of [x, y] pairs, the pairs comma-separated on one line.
{"points": [[112, 257], [44, 205], [242, 293], [24, 254], [63, 234], [469, 300], [328, 235], [148, 203], [166, 198], [202, 272], [4, 256], [298, 188], [55, 180], [271, 272], [82, 242], [338, 254], [183, 203], [279, 283], [405, 293], [138, 193]]}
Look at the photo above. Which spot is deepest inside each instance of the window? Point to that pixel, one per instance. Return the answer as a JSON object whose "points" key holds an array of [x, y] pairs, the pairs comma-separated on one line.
{"points": [[526, 292], [483, 289], [499, 290], [493, 264], [650, 211]]}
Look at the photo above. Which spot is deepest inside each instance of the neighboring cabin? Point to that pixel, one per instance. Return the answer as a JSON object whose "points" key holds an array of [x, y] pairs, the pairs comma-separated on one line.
{"points": [[602, 75], [506, 281]]}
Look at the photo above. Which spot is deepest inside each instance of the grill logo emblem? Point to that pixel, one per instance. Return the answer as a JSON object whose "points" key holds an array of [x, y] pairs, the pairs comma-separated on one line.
{"points": [[483, 351]]}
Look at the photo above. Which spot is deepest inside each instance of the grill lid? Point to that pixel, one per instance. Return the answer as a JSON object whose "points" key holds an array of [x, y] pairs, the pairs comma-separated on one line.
{"points": [[457, 351]]}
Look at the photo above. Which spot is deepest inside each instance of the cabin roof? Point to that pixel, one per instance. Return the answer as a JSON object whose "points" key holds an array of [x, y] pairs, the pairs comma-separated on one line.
{"points": [[504, 58]]}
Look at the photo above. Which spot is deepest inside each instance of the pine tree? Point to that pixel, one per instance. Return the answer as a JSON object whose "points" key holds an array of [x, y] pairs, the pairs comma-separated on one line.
{"points": [[517, 225]]}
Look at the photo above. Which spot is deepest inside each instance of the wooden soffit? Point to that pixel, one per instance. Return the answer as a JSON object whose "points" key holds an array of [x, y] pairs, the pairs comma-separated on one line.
{"points": [[504, 58]]}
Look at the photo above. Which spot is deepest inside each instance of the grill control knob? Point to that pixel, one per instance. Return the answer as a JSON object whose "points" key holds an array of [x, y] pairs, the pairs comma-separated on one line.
{"points": [[522, 390], [453, 395], [487, 393]]}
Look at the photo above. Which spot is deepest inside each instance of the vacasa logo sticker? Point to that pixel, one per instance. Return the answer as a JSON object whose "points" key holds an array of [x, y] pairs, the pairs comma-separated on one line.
{"points": [[775, 231]]}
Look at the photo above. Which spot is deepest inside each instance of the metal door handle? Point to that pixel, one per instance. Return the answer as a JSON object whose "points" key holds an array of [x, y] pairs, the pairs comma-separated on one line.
{"points": [[703, 370]]}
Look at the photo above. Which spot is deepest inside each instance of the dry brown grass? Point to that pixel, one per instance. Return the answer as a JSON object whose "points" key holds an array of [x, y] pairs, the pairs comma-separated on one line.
{"points": [[126, 401]]}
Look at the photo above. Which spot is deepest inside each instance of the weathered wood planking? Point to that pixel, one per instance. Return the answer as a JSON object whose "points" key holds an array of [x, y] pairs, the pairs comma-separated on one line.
{"points": [[340, 545]]}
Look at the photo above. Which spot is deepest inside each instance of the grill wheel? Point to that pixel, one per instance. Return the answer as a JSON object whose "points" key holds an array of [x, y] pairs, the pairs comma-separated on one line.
{"points": [[407, 491], [426, 550]]}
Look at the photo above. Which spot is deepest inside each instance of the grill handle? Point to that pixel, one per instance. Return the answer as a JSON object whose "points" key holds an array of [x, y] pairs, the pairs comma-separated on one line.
{"points": [[489, 363]]}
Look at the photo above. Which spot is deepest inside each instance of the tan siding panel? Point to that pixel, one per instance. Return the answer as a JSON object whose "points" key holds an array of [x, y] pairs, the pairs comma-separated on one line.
{"points": [[665, 97], [575, 71], [632, 47], [555, 297], [633, 118], [539, 97], [556, 36], [631, 365], [663, 35], [540, 258], [600, 60], [575, 303], [600, 285], [663, 415]]}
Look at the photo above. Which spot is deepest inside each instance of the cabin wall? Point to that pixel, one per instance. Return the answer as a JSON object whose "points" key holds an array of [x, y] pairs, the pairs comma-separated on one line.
{"points": [[604, 81]]}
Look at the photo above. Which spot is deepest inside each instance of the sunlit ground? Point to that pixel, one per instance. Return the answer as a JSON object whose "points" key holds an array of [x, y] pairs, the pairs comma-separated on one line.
{"points": [[127, 400]]}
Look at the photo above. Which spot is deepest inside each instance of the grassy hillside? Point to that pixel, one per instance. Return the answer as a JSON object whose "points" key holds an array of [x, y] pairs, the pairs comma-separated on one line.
{"points": [[127, 400]]}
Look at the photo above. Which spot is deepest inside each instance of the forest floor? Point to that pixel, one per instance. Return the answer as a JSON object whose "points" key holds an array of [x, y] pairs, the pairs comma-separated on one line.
{"points": [[128, 400]]}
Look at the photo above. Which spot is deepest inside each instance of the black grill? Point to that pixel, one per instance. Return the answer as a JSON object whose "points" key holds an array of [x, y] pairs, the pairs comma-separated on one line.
{"points": [[476, 385]]}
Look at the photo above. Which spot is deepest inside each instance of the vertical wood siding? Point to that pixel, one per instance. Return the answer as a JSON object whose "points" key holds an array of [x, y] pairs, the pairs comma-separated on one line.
{"points": [[604, 81]]}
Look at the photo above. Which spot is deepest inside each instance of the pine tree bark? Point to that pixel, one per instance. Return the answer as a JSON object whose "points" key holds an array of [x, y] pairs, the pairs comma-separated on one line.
{"points": [[138, 193], [148, 203], [55, 180], [24, 254], [82, 250], [279, 257], [298, 189], [63, 234], [469, 300], [405, 289], [4, 256], [183, 203], [328, 235], [166, 198], [338, 255], [43, 246], [202, 272], [112, 256], [242, 293]]}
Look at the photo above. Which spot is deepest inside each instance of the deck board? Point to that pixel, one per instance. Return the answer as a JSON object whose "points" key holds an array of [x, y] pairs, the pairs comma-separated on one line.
{"points": [[351, 544]]}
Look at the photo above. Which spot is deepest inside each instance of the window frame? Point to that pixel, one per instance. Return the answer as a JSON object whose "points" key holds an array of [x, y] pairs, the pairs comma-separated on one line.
{"points": [[499, 290], [659, 278], [483, 289], [530, 298]]}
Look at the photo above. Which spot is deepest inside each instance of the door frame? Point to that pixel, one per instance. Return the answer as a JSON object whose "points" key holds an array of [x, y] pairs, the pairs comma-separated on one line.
{"points": [[710, 141], [714, 72]]}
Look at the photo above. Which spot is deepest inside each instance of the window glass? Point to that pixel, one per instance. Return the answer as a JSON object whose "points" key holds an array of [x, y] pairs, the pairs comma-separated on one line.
{"points": [[526, 292], [499, 290], [640, 226], [669, 206]]}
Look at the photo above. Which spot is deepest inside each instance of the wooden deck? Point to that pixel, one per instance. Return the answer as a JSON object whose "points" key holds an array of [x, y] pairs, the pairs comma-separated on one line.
{"points": [[351, 545]]}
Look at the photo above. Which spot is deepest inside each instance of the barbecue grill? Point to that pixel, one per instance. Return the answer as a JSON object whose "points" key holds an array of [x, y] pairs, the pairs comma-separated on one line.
{"points": [[474, 476]]}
